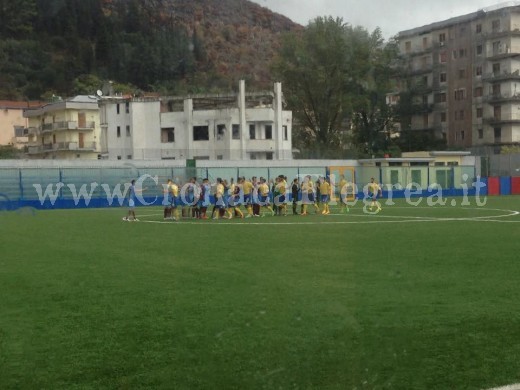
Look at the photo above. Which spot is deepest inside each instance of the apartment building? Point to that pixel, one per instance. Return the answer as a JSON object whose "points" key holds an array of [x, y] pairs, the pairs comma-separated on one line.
{"points": [[66, 129], [463, 74], [235, 126], [13, 124]]}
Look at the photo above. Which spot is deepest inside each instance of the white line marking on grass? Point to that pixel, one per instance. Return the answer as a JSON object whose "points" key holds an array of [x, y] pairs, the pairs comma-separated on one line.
{"points": [[515, 386], [377, 219]]}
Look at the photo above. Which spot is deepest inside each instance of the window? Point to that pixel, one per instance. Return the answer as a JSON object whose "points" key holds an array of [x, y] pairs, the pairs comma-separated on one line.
{"points": [[443, 57], [443, 77], [497, 112], [454, 54], [480, 133], [285, 133], [252, 132], [117, 108], [478, 92], [478, 28], [462, 73], [495, 25], [478, 70], [462, 135], [496, 47], [461, 115], [462, 53], [268, 132], [118, 131], [442, 38], [221, 132], [252, 156], [200, 133], [408, 46], [220, 157], [479, 50], [460, 94], [462, 31], [498, 134], [425, 120], [440, 97], [443, 117], [479, 112], [235, 129], [496, 89], [127, 107], [168, 135], [129, 157], [128, 130], [269, 156], [496, 68], [425, 42], [119, 157]]}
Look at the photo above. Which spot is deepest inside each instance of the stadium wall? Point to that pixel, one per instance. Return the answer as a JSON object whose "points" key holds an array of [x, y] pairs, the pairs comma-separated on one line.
{"points": [[46, 184]]}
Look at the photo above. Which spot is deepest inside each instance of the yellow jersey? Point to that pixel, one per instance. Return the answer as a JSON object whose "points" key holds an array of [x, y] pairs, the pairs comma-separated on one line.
{"points": [[247, 186], [343, 188], [174, 189], [219, 191], [324, 188], [374, 188], [263, 188]]}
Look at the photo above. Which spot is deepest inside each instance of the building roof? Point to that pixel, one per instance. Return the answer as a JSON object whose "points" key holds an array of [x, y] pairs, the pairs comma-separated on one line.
{"points": [[457, 20], [19, 105]]}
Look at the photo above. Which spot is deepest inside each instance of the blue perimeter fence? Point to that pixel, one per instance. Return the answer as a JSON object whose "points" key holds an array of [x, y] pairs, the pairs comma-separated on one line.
{"points": [[19, 186]]}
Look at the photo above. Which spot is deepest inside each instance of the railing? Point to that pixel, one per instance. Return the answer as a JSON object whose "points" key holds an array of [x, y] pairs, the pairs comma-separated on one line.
{"points": [[66, 125], [497, 97], [505, 75], [61, 146]]}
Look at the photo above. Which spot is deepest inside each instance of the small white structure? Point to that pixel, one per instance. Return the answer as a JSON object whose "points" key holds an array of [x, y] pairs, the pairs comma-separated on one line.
{"points": [[239, 126]]}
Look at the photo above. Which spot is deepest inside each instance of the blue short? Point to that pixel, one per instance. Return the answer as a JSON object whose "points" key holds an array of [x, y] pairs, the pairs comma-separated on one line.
{"points": [[279, 199], [311, 197], [247, 199], [324, 198], [263, 199]]}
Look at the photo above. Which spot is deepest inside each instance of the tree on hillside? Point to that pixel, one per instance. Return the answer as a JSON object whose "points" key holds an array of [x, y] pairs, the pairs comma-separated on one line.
{"points": [[335, 78]]}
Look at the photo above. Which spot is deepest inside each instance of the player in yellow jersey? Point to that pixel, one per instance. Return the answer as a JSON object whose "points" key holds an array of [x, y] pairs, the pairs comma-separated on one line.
{"points": [[263, 196], [176, 201], [374, 190], [279, 198], [343, 191], [234, 198], [312, 195], [219, 199], [307, 194], [247, 187], [325, 195], [168, 200]]}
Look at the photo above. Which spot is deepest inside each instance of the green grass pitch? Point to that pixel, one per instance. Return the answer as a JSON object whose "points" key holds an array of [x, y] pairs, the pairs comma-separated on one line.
{"points": [[411, 298]]}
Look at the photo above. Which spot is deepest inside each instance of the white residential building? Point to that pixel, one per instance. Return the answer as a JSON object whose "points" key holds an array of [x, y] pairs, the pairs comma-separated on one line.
{"points": [[207, 127], [65, 129]]}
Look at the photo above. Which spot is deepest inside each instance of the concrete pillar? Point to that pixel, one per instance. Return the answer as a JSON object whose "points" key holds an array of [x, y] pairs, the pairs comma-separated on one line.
{"points": [[188, 119], [242, 117], [278, 121]]}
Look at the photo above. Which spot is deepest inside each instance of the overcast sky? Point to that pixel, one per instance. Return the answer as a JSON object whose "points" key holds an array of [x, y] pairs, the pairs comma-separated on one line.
{"points": [[391, 16]]}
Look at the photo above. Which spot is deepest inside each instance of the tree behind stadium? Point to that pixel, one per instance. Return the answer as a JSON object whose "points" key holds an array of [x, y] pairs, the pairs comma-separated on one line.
{"points": [[336, 77]]}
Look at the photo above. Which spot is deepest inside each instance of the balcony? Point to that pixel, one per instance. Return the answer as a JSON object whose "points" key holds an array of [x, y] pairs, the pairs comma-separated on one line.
{"points": [[503, 51], [75, 146], [67, 126], [60, 147], [498, 33], [501, 76], [499, 120], [501, 97]]}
